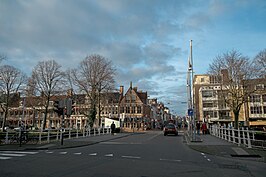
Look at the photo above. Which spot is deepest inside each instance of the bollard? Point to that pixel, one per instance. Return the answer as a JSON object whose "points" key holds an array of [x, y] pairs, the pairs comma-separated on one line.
{"points": [[99, 131], [89, 131], [69, 134], [83, 132], [77, 135], [40, 137], [94, 131]]}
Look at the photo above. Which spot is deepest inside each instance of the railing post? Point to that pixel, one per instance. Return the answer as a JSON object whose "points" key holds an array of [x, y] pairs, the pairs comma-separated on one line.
{"points": [[94, 131], [229, 135], [99, 131], [239, 138], [40, 137], [233, 134], [69, 134], [89, 131], [57, 133], [77, 135], [83, 132], [6, 140], [244, 137], [249, 141], [48, 136]]}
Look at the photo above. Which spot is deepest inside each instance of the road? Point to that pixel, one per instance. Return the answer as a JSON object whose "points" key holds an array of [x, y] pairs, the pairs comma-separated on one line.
{"points": [[140, 155]]}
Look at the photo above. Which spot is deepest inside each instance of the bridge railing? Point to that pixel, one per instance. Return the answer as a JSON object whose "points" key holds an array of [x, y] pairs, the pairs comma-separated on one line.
{"points": [[241, 136], [39, 137]]}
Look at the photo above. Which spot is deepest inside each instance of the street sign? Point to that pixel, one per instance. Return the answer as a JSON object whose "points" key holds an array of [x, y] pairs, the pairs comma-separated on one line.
{"points": [[190, 112]]}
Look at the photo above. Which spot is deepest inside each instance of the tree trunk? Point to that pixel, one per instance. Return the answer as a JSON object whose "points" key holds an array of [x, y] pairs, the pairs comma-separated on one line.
{"points": [[236, 113], [45, 113]]}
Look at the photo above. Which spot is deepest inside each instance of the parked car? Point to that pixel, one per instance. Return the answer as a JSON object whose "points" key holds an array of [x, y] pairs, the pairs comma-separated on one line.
{"points": [[170, 129]]}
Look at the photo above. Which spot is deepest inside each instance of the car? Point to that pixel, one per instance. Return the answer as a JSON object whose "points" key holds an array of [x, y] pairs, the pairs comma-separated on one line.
{"points": [[170, 129]]}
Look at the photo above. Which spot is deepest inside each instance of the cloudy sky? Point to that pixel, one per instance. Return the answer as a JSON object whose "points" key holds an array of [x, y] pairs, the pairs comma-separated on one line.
{"points": [[147, 40]]}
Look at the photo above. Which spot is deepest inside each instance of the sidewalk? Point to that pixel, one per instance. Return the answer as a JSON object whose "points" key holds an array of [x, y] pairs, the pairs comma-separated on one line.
{"points": [[215, 146], [67, 143]]}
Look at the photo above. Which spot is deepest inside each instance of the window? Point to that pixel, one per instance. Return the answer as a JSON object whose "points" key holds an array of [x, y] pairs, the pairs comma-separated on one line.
{"points": [[139, 109], [209, 104], [207, 93], [255, 98], [264, 108], [202, 80], [211, 114], [127, 109], [264, 98], [255, 110]]}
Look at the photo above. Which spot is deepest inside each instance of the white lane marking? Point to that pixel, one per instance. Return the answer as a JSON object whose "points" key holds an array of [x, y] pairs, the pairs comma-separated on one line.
{"points": [[5, 158], [170, 160], [62, 152], [202, 153], [93, 154], [19, 152], [209, 160], [13, 155], [49, 152], [131, 157], [109, 155], [77, 153]]}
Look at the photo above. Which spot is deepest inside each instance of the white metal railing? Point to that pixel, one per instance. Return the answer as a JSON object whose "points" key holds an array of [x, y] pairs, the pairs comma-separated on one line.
{"points": [[38, 137], [238, 136]]}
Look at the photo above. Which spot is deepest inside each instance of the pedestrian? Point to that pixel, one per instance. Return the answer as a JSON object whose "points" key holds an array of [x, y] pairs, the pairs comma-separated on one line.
{"points": [[113, 128], [204, 128], [198, 127]]}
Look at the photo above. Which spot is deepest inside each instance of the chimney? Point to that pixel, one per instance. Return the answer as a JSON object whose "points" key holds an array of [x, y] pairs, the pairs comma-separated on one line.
{"points": [[225, 75], [121, 90]]}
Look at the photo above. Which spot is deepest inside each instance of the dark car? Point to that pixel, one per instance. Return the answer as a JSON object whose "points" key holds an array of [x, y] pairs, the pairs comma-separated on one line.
{"points": [[170, 129]]}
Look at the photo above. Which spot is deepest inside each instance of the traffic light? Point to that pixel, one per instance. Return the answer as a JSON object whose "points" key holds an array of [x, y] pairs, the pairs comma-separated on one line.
{"points": [[58, 107], [69, 107]]}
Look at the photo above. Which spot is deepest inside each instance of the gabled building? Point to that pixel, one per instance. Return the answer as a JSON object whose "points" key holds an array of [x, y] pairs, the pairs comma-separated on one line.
{"points": [[135, 109]]}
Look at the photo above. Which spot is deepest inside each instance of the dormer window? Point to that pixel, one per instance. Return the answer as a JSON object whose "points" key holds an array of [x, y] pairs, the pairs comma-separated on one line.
{"points": [[259, 87]]}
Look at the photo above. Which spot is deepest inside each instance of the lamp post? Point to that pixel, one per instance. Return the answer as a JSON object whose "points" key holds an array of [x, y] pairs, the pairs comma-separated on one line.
{"points": [[191, 108]]}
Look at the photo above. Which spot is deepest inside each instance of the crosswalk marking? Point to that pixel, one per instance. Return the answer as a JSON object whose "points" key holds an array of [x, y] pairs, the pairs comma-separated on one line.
{"points": [[77, 153], [6, 155]]}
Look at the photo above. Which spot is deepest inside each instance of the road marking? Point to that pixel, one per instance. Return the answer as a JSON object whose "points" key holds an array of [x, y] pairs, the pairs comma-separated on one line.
{"points": [[93, 154], [170, 160], [49, 152], [109, 155], [131, 157], [209, 160], [19, 152], [62, 152], [13, 155], [5, 158], [77, 153], [202, 153]]}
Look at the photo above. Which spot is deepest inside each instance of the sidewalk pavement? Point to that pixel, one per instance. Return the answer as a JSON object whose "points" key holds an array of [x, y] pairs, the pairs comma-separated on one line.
{"points": [[210, 144], [67, 143]]}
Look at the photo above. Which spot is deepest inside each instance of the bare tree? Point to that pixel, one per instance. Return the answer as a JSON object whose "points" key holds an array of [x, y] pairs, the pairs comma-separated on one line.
{"points": [[48, 80], [11, 81], [260, 63], [239, 72], [94, 75]]}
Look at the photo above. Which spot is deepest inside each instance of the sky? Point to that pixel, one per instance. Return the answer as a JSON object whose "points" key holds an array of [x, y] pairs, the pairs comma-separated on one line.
{"points": [[146, 40]]}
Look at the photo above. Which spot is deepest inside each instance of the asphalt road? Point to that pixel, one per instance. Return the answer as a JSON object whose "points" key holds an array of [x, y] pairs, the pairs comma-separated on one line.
{"points": [[140, 155]]}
